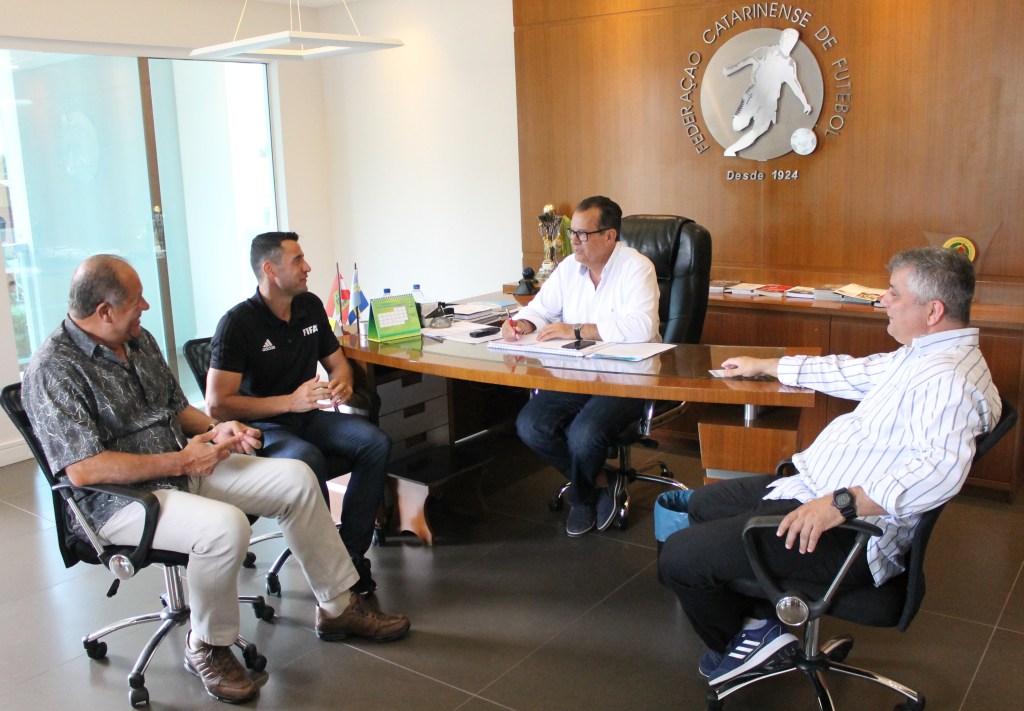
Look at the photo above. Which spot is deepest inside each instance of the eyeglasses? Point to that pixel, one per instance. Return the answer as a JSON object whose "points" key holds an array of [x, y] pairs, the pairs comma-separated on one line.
{"points": [[582, 236]]}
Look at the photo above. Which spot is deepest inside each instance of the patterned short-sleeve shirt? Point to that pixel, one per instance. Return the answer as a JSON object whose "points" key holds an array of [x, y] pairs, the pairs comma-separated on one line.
{"points": [[83, 400]]}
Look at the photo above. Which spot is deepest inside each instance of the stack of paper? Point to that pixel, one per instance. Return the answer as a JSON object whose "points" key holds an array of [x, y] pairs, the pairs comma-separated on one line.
{"points": [[567, 347]]}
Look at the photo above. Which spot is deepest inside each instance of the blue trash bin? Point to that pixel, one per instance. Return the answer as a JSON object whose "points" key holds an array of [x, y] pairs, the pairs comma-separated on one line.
{"points": [[671, 513]]}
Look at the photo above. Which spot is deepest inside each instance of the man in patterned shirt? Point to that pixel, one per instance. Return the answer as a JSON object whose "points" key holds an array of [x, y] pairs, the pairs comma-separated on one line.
{"points": [[904, 450], [107, 409]]}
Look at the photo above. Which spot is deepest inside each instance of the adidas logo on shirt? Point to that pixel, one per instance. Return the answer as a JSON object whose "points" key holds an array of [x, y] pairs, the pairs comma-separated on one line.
{"points": [[268, 346]]}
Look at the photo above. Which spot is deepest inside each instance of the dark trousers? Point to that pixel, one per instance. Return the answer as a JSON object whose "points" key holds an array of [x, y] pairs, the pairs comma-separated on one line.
{"points": [[573, 432], [333, 444], [698, 562]]}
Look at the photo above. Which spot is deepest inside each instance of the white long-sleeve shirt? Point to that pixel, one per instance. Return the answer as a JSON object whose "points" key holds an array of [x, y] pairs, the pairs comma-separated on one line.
{"points": [[910, 441], [624, 306]]}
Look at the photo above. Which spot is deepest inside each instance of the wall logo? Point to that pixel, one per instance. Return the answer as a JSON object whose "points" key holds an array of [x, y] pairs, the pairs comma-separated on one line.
{"points": [[762, 92]]}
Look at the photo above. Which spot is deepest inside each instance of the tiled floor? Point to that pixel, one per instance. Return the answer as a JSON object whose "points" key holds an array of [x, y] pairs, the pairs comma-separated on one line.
{"points": [[508, 613]]}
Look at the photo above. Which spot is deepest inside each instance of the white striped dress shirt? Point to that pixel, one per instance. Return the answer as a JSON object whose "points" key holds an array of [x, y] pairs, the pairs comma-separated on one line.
{"points": [[910, 441]]}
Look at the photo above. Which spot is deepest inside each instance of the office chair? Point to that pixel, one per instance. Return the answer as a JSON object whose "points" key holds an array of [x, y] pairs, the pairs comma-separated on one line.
{"points": [[198, 352], [680, 250], [122, 561], [893, 604]]}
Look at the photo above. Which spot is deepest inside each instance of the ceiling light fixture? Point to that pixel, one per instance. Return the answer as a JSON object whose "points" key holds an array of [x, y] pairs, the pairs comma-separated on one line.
{"points": [[294, 44]]}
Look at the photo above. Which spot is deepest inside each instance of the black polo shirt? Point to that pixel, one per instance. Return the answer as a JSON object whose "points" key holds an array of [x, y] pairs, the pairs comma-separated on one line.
{"points": [[274, 357]]}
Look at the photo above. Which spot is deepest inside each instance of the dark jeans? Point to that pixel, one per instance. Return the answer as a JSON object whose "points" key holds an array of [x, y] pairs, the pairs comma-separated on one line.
{"points": [[573, 432], [698, 562], [330, 443]]}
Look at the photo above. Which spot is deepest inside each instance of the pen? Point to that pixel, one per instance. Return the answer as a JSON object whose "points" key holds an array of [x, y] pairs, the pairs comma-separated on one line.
{"points": [[511, 323]]}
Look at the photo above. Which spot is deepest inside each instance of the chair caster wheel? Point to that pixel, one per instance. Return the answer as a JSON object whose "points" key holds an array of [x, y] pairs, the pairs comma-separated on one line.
{"points": [[620, 523], [263, 611], [838, 649], [909, 705], [273, 584], [138, 697], [555, 503], [253, 659], [249, 561], [95, 649], [713, 702]]}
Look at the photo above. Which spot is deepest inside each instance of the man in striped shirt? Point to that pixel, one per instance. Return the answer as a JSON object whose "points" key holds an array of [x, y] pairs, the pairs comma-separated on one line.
{"points": [[904, 450]]}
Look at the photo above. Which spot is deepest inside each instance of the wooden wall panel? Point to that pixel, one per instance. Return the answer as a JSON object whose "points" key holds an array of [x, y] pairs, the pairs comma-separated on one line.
{"points": [[931, 143]]}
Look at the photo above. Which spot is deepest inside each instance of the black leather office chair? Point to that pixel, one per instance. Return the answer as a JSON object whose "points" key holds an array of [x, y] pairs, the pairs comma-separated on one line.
{"points": [[893, 604], [122, 561], [198, 353], [680, 250]]}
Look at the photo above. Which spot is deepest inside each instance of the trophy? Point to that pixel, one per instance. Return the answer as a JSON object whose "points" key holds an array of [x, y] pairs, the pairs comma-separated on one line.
{"points": [[552, 232]]}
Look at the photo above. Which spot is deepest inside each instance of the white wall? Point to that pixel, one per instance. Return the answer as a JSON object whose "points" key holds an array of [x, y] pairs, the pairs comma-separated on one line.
{"points": [[404, 160], [423, 147]]}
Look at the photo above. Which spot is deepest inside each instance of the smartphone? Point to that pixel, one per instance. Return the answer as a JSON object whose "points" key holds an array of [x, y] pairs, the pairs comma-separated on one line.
{"points": [[579, 345], [481, 332]]}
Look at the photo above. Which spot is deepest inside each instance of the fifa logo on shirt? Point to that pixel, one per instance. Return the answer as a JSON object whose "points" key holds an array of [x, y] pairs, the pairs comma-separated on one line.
{"points": [[309, 330]]}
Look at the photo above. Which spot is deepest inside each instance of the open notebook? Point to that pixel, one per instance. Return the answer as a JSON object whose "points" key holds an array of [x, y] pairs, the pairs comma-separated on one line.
{"points": [[567, 347]]}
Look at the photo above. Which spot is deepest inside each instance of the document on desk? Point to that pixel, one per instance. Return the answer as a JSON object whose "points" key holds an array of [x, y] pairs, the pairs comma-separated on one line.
{"points": [[631, 351], [459, 331], [567, 347], [471, 309]]}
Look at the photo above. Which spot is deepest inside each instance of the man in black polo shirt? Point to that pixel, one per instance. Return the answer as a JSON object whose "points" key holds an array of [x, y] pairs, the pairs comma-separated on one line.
{"points": [[263, 371]]}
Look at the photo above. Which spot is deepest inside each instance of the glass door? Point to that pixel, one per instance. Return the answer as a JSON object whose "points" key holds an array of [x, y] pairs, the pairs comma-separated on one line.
{"points": [[166, 163]]}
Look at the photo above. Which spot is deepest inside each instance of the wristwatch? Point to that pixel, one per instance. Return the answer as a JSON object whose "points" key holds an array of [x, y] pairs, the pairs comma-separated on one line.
{"points": [[577, 329], [842, 499]]}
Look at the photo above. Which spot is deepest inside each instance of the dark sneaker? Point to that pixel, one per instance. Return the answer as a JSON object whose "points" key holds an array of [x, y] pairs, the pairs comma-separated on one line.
{"points": [[220, 671], [609, 499], [366, 584], [709, 662], [755, 649], [580, 519], [360, 619]]}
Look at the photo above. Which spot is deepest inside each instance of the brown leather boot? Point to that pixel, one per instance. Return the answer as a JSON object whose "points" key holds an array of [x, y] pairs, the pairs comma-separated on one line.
{"points": [[361, 620], [220, 671]]}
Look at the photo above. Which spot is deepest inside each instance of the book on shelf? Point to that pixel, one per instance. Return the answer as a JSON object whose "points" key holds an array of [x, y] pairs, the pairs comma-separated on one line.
{"points": [[743, 288], [827, 292], [858, 294], [718, 286], [799, 292], [775, 290]]}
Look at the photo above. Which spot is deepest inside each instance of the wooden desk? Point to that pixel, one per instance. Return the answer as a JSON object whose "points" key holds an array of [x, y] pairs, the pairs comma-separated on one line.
{"points": [[677, 374]]}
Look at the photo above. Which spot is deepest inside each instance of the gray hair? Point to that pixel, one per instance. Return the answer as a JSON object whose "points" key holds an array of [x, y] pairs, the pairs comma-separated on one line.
{"points": [[97, 280], [939, 274]]}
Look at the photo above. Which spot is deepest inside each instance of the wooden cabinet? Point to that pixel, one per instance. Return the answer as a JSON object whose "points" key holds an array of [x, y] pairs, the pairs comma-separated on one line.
{"points": [[438, 429], [861, 331]]}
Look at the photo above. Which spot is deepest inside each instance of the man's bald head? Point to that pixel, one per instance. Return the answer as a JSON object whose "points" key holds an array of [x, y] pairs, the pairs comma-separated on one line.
{"points": [[99, 279]]}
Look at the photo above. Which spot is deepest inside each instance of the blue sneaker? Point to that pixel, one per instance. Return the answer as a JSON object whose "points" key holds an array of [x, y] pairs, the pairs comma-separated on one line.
{"points": [[609, 500], [764, 647], [580, 519], [709, 662]]}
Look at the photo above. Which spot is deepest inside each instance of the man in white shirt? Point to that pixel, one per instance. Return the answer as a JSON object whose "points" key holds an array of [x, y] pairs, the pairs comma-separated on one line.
{"points": [[904, 450], [607, 292]]}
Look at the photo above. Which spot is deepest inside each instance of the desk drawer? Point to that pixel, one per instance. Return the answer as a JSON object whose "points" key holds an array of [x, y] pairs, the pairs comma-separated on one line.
{"points": [[416, 418], [437, 437], [409, 389]]}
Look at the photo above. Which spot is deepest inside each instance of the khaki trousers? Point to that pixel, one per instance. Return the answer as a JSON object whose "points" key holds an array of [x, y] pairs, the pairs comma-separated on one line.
{"points": [[209, 523]]}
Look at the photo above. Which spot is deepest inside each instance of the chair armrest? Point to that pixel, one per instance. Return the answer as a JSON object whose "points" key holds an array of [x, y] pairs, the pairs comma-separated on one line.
{"points": [[150, 503], [772, 588], [659, 412]]}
